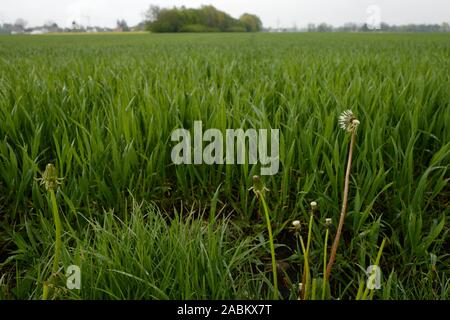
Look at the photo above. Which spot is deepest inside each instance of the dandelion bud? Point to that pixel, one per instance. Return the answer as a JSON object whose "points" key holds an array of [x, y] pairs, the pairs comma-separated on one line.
{"points": [[258, 186], [313, 205], [296, 224], [50, 177], [328, 222]]}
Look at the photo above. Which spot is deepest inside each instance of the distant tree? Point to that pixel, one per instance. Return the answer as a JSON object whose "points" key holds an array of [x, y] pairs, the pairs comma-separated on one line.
{"points": [[4, 29], [139, 27], [251, 22], [214, 19], [348, 27], [365, 28], [50, 24], [311, 27], [21, 23], [384, 26], [122, 25], [152, 14], [204, 19], [323, 27]]}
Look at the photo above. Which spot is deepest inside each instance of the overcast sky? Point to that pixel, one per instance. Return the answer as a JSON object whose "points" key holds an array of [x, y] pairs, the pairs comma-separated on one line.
{"points": [[283, 13]]}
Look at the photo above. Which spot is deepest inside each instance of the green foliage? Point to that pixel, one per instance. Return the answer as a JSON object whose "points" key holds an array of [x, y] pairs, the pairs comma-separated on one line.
{"points": [[102, 108], [205, 19], [251, 22], [196, 28], [148, 256], [122, 24]]}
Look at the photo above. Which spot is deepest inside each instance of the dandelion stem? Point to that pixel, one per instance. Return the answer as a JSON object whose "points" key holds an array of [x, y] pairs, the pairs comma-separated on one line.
{"points": [[272, 248], [377, 262], [57, 231], [306, 270], [344, 208], [45, 292], [305, 277], [324, 283]]}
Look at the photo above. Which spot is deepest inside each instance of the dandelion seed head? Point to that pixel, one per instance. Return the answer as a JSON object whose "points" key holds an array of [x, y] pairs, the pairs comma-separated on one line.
{"points": [[348, 121], [328, 222], [296, 224]]}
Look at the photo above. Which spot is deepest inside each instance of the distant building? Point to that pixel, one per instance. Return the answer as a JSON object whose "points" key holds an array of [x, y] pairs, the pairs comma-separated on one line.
{"points": [[76, 27], [17, 29], [37, 31], [92, 29]]}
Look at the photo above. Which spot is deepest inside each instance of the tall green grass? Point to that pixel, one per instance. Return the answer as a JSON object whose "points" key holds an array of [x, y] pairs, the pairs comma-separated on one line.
{"points": [[102, 108]]}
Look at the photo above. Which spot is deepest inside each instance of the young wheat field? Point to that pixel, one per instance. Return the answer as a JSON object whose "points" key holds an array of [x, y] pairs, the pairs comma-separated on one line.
{"points": [[101, 109]]}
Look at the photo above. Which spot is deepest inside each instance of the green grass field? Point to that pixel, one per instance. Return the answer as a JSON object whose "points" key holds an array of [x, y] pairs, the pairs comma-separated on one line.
{"points": [[101, 108]]}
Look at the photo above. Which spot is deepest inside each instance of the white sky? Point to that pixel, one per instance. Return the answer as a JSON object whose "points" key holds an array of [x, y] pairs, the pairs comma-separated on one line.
{"points": [[283, 13]]}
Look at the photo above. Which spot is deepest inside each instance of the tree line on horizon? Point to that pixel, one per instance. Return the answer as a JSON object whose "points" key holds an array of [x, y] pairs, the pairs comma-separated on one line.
{"points": [[203, 19], [382, 27], [209, 19]]}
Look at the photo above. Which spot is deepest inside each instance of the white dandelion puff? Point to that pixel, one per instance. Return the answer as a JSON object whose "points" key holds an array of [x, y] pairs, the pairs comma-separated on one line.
{"points": [[348, 121]]}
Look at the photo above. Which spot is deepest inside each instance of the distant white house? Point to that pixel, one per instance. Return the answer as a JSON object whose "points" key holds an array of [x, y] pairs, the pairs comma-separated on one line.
{"points": [[39, 31], [76, 26], [92, 29]]}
